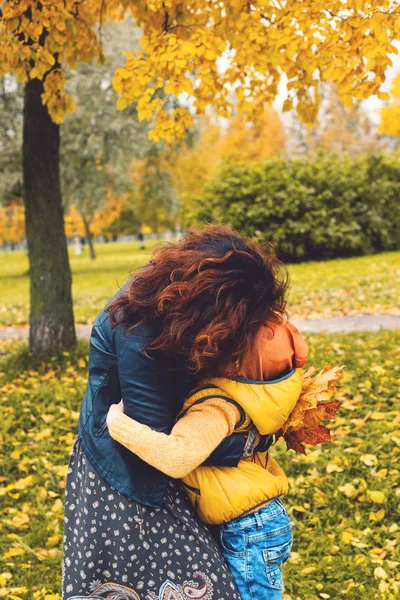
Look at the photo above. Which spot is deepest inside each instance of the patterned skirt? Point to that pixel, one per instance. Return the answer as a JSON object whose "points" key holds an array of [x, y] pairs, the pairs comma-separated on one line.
{"points": [[117, 549]]}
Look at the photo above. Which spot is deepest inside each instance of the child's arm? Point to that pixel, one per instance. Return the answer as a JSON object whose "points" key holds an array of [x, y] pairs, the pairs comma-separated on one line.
{"points": [[190, 442]]}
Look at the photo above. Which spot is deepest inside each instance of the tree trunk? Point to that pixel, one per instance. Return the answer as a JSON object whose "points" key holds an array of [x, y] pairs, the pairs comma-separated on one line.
{"points": [[89, 236], [51, 315]]}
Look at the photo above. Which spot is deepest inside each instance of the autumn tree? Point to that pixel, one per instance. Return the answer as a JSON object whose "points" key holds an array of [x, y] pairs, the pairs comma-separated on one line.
{"points": [[181, 48], [12, 223], [98, 142], [193, 164], [246, 141], [337, 129], [11, 109], [390, 115], [108, 219], [153, 196]]}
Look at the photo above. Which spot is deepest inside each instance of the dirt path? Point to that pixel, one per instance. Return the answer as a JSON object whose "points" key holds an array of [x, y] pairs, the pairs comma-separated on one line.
{"points": [[343, 324], [349, 323]]}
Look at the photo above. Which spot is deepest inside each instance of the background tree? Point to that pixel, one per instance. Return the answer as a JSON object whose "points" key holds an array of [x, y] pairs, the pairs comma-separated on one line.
{"points": [[390, 115], [108, 220], [337, 129], [99, 142], [154, 198], [11, 109], [246, 141], [12, 223]]}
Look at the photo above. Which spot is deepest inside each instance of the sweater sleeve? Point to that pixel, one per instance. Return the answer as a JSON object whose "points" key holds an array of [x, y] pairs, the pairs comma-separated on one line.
{"points": [[190, 442]]}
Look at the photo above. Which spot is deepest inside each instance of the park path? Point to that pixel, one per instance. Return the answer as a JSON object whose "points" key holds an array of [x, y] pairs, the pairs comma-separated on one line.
{"points": [[344, 324]]}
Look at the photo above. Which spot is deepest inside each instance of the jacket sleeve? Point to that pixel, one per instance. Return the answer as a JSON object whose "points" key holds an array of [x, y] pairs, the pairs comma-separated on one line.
{"points": [[147, 387], [190, 442]]}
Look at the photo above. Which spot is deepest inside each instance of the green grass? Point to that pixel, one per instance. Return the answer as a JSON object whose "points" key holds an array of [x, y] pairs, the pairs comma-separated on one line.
{"points": [[344, 498], [343, 286], [346, 286], [94, 281]]}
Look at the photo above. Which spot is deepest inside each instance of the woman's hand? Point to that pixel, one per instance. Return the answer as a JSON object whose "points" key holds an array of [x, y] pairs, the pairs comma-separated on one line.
{"points": [[114, 411]]}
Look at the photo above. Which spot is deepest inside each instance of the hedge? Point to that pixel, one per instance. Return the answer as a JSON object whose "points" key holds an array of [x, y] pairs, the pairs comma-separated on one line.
{"points": [[310, 209]]}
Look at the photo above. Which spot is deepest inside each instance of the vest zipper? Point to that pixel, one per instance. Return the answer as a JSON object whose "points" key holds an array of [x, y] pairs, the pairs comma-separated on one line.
{"points": [[195, 491], [191, 488]]}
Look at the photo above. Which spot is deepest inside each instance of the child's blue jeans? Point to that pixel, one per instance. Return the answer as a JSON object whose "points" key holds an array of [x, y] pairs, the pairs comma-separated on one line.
{"points": [[255, 547]]}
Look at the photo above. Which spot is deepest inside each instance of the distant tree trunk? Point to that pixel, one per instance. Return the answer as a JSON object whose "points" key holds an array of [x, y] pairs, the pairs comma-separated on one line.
{"points": [[51, 314], [89, 237]]}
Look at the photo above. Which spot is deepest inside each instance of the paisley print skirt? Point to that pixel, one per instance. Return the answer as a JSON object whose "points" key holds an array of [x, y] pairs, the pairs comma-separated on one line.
{"points": [[115, 549]]}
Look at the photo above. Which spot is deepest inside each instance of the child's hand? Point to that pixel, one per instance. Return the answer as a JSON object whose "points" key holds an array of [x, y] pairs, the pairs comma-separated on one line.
{"points": [[114, 410]]}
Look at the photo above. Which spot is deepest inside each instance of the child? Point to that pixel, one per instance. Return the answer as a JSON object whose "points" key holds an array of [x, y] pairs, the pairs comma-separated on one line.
{"points": [[245, 500]]}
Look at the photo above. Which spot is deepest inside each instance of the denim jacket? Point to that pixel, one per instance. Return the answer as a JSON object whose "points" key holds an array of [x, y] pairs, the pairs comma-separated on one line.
{"points": [[153, 387]]}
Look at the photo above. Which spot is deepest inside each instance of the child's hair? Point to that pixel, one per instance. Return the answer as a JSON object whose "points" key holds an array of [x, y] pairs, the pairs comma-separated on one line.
{"points": [[210, 292]]}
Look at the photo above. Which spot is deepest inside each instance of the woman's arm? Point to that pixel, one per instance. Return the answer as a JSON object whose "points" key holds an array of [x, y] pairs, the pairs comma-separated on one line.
{"points": [[190, 442]]}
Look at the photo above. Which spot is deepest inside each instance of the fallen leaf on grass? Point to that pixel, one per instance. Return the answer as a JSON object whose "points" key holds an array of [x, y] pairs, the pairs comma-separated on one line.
{"points": [[376, 496]]}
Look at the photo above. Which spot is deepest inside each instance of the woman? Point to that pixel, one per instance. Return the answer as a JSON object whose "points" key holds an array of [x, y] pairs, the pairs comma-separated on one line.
{"points": [[196, 307]]}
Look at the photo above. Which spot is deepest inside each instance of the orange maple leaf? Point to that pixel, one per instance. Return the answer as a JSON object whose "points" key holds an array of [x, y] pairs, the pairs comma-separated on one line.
{"points": [[314, 405]]}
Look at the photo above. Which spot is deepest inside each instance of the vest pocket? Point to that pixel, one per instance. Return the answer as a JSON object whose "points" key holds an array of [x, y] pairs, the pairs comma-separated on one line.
{"points": [[274, 559], [193, 493]]}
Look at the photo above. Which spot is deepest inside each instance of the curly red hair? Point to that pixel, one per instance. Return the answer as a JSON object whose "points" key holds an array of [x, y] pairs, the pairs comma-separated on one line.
{"points": [[210, 292]]}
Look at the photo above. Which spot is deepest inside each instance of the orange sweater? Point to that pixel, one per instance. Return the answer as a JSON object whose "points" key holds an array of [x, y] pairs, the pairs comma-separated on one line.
{"points": [[205, 425]]}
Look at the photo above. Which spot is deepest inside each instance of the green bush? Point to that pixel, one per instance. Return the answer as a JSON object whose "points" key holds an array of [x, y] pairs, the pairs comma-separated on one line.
{"points": [[310, 209]]}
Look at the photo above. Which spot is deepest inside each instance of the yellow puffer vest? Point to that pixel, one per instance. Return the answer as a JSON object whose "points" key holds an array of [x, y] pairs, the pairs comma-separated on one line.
{"points": [[221, 494]]}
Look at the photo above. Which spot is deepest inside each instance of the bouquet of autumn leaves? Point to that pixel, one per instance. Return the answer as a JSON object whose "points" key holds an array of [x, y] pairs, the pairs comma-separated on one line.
{"points": [[315, 405]]}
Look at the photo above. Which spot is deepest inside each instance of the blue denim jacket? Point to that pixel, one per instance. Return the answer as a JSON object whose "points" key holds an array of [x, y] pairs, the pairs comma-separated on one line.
{"points": [[153, 387]]}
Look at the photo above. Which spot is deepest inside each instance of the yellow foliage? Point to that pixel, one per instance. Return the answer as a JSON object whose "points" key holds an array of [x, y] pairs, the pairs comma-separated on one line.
{"points": [[390, 115], [12, 223], [254, 141], [109, 212], [73, 223], [183, 44]]}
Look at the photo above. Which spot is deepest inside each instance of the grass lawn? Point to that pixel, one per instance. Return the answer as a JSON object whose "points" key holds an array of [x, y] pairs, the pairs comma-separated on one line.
{"points": [[344, 499], [343, 286]]}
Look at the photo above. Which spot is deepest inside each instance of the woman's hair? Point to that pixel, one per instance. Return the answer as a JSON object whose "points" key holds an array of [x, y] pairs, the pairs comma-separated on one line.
{"points": [[210, 292]]}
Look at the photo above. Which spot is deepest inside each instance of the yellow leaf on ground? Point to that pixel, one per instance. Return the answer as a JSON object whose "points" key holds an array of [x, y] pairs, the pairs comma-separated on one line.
{"points": [[308, 570], [380, 573], [370, 460], [377, 516], [347, 537], [376, 496], [13, 552], [299, 509], [52, 541], [348, 490], [4, 577]]}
